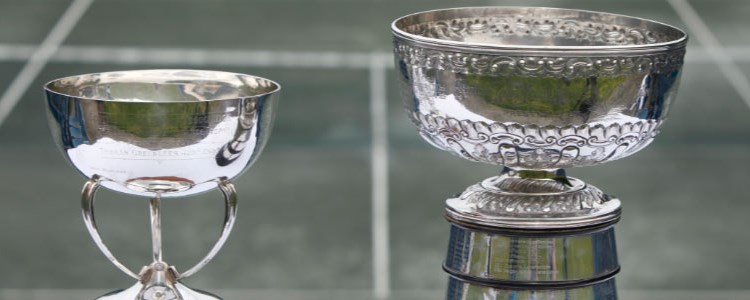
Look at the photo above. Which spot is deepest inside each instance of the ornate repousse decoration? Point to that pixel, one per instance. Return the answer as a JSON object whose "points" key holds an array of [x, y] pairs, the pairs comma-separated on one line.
{"points": [[484, 198], [595, 33], [536, 147], [539, 66]]}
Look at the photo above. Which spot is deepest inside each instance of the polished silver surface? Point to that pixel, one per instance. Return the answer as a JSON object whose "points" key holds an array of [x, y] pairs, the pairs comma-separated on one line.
{"points": [[160, 133], [171, 132], [155, 292], [535, 90], [496, 29], [463, 290], [533, 200], [158, 278], [230, 215], [531, 259]]}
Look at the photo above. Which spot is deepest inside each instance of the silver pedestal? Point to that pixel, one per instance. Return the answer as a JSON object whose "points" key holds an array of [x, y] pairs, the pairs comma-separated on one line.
{"points": [[462, 290], [509, 239], [531, 259], [159, 282]]}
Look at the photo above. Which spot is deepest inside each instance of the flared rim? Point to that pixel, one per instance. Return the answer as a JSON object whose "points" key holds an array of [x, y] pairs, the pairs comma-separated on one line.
{"points": [[168, 74], [397, 27]]}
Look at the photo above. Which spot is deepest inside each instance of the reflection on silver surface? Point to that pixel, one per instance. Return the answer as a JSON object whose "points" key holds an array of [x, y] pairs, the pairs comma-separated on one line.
{"points": [[462, 290], [537, 103], [533, 200], [535, 90], [552, 258], [160, 133]]}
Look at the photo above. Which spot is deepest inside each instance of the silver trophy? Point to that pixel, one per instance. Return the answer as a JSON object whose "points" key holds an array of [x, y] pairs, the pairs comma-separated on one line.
{"points": [[535, 90], [161, 134]]}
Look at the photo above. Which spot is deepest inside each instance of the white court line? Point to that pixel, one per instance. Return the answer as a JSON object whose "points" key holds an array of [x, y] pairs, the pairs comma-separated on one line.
{"points": [[196, 57], [380, 224], [253, 58], [260, 58], [698, 28], [39, 58], [737, 54], [16, 52]]}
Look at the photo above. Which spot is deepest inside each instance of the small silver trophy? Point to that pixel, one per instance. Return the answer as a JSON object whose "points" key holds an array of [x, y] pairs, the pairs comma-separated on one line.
{"points": [[535, 90], [161, 134]]}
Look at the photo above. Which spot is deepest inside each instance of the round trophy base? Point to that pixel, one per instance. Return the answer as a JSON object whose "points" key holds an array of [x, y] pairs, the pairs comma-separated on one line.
{"points": [[159, 282], [530, 200], [534, 235], [134, 293]]}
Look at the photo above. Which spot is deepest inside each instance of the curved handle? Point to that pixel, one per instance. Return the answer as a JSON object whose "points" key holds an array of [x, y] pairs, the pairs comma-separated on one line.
{"points": [[230, 215], [87, 205]]}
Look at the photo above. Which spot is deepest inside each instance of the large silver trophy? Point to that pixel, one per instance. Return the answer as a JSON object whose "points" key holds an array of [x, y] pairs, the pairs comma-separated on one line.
{"points": [[535, 90], [161, 134]]}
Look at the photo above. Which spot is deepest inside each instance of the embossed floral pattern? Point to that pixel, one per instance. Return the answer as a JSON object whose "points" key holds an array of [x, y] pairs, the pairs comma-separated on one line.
{"points": [[592, 32], [487, 201], [541, 66], [535, 147]]}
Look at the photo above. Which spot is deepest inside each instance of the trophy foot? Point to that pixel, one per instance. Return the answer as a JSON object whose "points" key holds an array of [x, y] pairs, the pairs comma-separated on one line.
{"points": [[528, 199], [132, 293], [159, 282], [533, 235]]}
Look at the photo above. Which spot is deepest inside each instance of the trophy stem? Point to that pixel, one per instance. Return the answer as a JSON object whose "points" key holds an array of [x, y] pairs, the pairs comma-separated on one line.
{"points": [[155, 210], [158, 280]]}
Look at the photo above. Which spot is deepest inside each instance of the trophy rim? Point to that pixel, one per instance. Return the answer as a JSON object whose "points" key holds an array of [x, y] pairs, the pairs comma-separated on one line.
{"points": [[397, 31], [275, 90]]}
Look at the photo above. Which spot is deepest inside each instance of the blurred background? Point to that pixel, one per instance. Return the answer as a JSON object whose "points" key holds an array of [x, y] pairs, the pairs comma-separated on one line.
{"points": [[346, 201]]}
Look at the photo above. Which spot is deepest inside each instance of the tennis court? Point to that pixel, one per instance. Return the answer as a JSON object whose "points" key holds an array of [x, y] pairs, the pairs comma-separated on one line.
{"points": [[346, 200]]}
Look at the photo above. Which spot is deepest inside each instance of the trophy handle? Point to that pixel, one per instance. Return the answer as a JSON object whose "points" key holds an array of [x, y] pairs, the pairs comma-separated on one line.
{"points": [[230, 215], [87, 206]]}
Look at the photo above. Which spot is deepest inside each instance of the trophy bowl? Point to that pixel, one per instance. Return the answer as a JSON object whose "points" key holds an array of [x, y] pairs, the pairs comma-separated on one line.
{"points": [[535, 90], [161, 133]]}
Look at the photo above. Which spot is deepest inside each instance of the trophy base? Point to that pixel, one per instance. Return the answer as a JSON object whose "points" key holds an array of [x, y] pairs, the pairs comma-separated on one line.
{"points": [[134, 293], [532, 235], [159, 282], [532, 200]]}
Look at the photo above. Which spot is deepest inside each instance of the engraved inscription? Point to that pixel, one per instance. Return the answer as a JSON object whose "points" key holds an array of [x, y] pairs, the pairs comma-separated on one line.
{"points": [[192, 153]]}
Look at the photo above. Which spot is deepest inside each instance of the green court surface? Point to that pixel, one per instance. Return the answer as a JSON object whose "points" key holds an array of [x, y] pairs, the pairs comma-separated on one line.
{"points": [[306, 214]]}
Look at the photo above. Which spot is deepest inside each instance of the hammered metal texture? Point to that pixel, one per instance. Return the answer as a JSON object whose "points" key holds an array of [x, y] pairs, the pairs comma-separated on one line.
{"points": [[537, 88]]}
